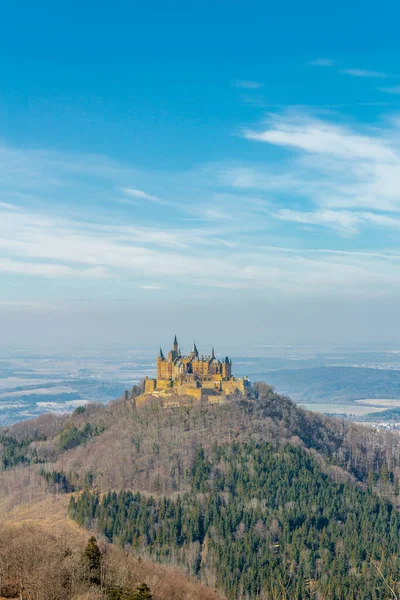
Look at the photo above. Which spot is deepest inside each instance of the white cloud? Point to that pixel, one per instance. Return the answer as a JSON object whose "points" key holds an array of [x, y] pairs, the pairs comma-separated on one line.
{"points": [[39, 269], [341, 177], [343, 220], [323, 62], [54, 249], [8, 206], [150, 286], [141, 194], [333, 166], [319, 137], [391, 90], [365, 73], [248, 85]]}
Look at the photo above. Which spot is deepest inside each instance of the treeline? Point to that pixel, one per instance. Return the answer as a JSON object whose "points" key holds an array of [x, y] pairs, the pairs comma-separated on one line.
{"points": [[38, 565], [260, 521], [14, 452], [72, 436]]}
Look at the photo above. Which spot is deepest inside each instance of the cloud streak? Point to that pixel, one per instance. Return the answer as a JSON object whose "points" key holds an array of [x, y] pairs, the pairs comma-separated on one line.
{"points": [[335, 167], [365, 73], [142, 195], [209, 230], [323, 62], [248, 84], [52, 249]]}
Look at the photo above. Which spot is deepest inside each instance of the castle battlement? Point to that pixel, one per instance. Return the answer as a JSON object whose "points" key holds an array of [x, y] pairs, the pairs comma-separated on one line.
{"points": [[194, 375]]}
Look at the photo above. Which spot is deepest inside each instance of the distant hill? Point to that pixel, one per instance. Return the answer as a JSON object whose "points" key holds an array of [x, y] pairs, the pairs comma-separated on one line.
{"points": [[390, 414], [336, 384], [247, 496]]}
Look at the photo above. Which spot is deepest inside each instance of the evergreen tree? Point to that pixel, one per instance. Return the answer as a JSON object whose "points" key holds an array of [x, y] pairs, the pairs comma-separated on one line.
{"points": [[142, 592], [92, 557]]}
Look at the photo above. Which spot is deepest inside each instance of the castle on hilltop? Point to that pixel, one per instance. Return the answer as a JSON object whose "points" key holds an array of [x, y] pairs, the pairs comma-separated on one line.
{"points": [[199, 376]]}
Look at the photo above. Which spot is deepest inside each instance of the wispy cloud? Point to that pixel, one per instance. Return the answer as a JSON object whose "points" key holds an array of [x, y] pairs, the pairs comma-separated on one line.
{"points": [[52, 249], [321, 137], [323, 62], [211, 231], [391, 90], [142, 195], [42, 269], [248, 84], [150, 286], [348, 222], [342, 220], [365, 73], [343, 178]]}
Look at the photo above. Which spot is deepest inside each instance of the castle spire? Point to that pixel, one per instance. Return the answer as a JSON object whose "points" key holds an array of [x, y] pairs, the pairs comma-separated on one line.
{"points": [[194, 349], [212, 353], [161, 355]]}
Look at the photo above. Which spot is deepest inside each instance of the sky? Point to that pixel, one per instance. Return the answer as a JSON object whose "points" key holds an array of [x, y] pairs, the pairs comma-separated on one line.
{"points": [[228, 171]]}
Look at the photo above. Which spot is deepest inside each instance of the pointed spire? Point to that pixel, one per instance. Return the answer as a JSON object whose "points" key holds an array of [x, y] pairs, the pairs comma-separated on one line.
{"points": [[194, 349], [175, 340], [161, 355], [212, 353]]}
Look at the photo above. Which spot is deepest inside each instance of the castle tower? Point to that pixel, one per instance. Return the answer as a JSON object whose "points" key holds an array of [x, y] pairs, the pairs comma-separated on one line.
{"points": [[227, 368], [174, 353], [194, 355], [160, 360]]}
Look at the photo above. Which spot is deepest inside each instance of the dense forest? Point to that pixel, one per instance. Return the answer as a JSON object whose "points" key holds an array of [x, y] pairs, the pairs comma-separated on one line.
{"points": [[256, 497], [259, 517]]}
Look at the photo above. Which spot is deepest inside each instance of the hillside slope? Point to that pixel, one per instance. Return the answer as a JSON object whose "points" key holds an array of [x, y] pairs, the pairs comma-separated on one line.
{"points": [[256, 496]]}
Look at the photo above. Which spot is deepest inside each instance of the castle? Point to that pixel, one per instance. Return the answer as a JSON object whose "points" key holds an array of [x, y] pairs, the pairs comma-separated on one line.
{"points": [[202, 377]]}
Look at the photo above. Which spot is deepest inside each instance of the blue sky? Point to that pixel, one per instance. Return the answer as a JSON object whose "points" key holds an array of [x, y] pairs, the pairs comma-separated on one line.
{"points": [[204, 168]]}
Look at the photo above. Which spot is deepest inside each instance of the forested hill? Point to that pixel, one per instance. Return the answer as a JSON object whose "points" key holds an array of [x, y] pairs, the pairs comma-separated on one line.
{"points": [[257, 496]]}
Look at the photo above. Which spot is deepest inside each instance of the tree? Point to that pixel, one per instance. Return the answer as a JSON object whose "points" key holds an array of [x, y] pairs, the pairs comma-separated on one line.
{"points": [[142, 592], [92, 556]]}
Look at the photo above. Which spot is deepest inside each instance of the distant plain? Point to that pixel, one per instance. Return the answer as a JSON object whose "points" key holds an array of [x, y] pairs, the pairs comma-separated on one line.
{"points": [[352, 381]]}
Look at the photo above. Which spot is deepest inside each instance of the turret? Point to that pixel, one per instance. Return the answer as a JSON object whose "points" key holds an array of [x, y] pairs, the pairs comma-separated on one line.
{"points": [[227, 368], [160, 368], [194, 352], [174, 353]]}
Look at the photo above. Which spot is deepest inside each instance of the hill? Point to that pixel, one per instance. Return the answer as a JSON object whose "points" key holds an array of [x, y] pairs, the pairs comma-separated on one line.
{"points": [[257, 497]]}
